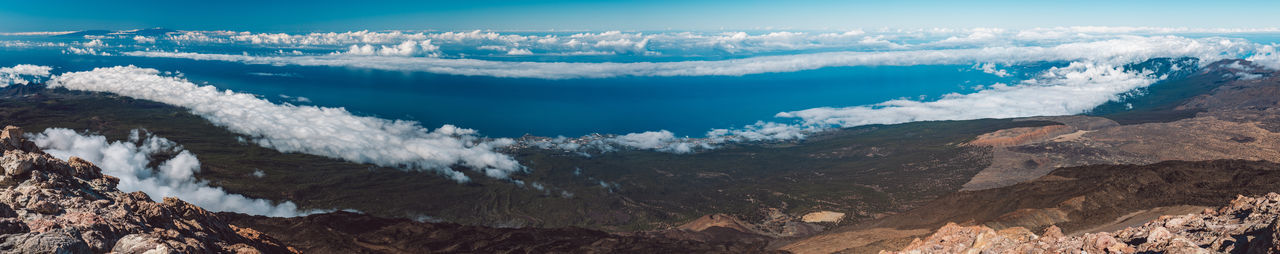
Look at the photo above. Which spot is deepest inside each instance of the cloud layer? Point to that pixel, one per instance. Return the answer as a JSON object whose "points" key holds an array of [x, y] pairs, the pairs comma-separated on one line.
{"points": [[174, 177], [22, 74], [1092, 77], [1115, 52], [693, 42], [662, 141], [330, 132], [1073, 89]]}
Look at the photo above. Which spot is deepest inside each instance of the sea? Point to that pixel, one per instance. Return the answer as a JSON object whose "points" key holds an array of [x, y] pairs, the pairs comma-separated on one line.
{"points": [[512, 107]]}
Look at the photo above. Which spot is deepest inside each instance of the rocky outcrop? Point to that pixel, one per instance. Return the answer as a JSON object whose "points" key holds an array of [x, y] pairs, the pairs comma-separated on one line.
{"points": [[1247, 225], [52, 206]]}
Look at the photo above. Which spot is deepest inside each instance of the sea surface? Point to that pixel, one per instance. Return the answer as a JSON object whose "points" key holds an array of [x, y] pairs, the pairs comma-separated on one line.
{"points": [[511, 107]]}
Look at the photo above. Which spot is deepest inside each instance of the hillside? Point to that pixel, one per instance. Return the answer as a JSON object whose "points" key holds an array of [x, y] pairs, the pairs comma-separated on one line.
{"points": [[1107, 170]]}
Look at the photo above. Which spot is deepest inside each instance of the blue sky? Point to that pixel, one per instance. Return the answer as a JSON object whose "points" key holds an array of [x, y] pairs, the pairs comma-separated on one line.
{"points": [[328, 15]]}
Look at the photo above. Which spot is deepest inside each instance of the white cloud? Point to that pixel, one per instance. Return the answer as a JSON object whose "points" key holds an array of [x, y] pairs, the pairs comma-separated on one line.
{"points": [[662, 141], [144, 39], [518, 52], [1094, 49], [91, 47], [95, 43], [696, 43], [612, 42], [366, 50], [37, 33], [202, 37], [645, 140], [1268, 57], [360, 37], [991, 69], [407, 48], [330, 132], [22, 74], [977, 36], [174, 177], [32, 44], [1073, 89], [1059, 91], [1118, 51], [763, 131], [82, 51]]}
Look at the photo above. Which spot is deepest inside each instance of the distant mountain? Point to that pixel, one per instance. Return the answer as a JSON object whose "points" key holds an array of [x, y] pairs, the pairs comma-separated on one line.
{"points": [[154, 32], [86, 33], [142, 32]]}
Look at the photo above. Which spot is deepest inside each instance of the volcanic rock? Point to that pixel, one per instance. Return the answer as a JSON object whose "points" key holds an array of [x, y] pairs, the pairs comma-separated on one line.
{"points": [[1247, 225], [52, 206]]}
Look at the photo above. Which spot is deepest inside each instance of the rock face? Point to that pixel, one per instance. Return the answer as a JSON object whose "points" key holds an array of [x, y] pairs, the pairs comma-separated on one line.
{"points": [[1247, 225], [52, 206]]}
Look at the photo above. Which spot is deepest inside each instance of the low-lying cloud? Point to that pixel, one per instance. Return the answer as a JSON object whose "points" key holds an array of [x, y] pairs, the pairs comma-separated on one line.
{"points": [[22, 74], [323, 131], [695, 42], [174, 177], [1093, 77], [1114, 52], [662, 141], [407, 48], [1072, 89]]}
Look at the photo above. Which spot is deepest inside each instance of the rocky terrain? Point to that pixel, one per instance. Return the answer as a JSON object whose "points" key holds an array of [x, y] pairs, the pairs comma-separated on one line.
{"points": [[1075, 199], [1246, 225], [863, 172], [1207, 138], [858, 190], [1237, 119], [1073, 174], [52, 206], [344, 232]]}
